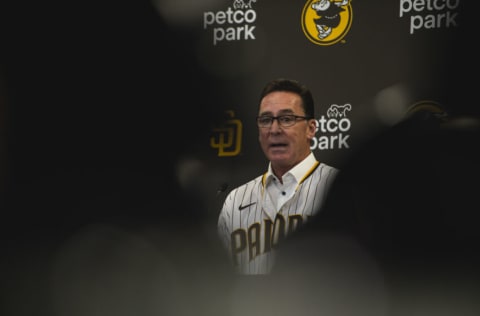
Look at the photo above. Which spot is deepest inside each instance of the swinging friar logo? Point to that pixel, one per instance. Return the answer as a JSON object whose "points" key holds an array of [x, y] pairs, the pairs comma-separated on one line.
{"points": [[326, 22]]}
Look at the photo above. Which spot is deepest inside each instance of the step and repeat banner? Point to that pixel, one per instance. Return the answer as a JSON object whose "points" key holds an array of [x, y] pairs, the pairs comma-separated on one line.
{"points": [[101, 96], [368, 64]]}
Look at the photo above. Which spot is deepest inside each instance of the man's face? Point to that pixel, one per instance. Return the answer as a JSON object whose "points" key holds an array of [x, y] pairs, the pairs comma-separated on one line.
{"points": [[285, 146]]}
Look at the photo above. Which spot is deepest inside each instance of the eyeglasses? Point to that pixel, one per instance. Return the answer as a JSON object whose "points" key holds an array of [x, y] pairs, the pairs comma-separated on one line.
{"points": [[287, 120]]}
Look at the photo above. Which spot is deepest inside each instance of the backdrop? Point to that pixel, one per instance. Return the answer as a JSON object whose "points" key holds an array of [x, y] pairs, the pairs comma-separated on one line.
{"points": [[368, 63], [117, 97]]}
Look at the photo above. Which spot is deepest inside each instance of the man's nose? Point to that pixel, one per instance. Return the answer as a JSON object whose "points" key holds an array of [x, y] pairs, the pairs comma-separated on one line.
{"points": [[275, 125]]}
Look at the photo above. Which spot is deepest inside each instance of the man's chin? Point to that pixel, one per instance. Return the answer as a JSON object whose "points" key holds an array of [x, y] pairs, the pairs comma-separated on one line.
{"points": [[278, 156]]}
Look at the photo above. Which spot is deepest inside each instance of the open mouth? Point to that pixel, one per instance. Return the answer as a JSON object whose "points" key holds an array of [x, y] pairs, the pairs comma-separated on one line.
{"points": [[278, 145]]}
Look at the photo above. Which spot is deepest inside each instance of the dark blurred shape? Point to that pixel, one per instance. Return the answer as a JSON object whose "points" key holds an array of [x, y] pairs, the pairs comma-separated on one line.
{"points": [[101, 99], [408, 199]]}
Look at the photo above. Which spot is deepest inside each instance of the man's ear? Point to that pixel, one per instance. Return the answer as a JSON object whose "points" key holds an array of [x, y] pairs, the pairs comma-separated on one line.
{"points": [[312, 128]]}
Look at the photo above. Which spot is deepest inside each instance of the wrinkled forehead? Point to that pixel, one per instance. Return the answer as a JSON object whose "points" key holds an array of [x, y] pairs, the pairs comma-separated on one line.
{"points": [[281, 101]]}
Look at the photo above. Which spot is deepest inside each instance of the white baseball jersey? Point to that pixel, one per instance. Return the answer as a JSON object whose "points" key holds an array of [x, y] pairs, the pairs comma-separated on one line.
{"points": [[250, 225]]}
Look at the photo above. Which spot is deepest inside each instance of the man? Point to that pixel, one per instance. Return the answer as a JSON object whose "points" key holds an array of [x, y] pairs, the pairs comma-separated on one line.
{"points": [[257, 215]]}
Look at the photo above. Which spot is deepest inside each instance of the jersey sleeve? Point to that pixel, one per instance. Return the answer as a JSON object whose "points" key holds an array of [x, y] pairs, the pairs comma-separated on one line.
{"points": [[224, 228]]}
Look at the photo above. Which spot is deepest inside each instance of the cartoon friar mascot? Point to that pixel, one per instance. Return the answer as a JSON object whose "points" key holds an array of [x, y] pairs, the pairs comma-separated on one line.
{"points": [[329, 15]]}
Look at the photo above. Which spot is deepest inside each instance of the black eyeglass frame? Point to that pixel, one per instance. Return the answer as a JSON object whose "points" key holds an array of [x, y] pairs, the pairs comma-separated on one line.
{"points": [[294, 117]]}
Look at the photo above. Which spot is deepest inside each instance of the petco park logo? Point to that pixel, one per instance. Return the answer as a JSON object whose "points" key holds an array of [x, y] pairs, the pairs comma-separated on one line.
{"points": [[232, 24], [334, 128], [326, 22], [429, 14]]}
